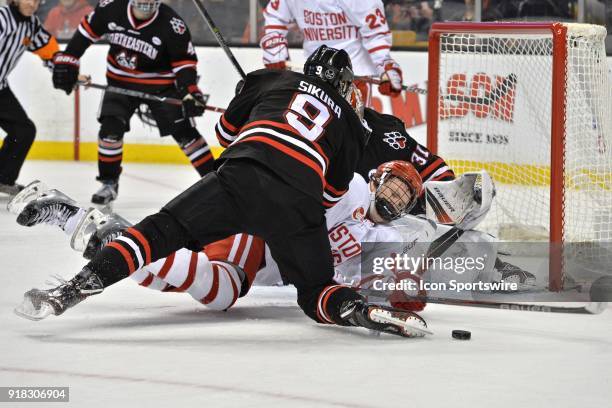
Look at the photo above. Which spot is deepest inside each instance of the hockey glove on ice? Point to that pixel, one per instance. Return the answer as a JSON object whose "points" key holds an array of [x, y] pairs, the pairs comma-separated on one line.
{"points": [[194, 102], [65, 71], [391, 79]]}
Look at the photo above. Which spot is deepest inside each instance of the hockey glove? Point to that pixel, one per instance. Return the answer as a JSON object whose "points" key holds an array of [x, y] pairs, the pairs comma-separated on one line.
{"points": [[391, 79], [410, 297], [275, 51], [194, 102], [65, 71]]}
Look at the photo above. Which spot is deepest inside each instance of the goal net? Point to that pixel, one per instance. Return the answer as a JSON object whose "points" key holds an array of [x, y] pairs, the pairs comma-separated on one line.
{"points": [[531, 104]]}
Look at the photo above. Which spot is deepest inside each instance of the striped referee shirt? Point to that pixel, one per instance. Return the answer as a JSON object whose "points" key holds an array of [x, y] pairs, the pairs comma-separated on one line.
{"points": [[18, 33]]}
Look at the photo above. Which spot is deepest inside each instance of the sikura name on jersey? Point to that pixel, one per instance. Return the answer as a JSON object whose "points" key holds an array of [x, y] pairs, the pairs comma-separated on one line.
{"points": [[323, 97], [298, 127]]}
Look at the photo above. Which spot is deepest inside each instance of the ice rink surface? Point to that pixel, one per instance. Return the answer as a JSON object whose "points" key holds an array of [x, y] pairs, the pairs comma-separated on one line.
{"points": [[132, 347]]}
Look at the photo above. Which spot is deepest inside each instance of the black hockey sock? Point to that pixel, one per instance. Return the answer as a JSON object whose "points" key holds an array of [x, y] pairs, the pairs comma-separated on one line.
{"points": [[110, 155], [199, 154], [155, 237]]}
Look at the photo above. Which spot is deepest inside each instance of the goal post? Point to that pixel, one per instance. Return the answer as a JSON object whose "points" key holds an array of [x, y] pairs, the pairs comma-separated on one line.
{"points": [[531, 104]]}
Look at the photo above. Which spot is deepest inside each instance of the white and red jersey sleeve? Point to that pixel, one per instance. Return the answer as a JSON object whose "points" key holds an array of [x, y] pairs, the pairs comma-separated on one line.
{"points": [[277, 17], [369, 18]]}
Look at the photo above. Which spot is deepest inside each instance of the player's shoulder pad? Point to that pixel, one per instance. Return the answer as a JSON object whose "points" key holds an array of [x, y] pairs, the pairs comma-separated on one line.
{"points": [[360, 6], [170, 17], [106, 5], [256, 79], [377, 119], [359, 185], [267, 75]]}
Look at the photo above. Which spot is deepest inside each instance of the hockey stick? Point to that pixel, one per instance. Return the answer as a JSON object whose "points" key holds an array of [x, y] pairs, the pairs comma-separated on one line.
{"points": [[445, 241], [143, 95], [215, 30], [590, 308], [494, 95], [370, 80], [410, 89]]}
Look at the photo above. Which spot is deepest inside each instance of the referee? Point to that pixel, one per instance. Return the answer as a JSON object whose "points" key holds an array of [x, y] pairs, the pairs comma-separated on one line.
{"points": [[20, 29]]}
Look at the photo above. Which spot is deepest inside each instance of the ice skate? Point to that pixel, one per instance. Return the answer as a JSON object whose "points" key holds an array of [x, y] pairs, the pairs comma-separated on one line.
{"points": [[510, 273], [95, 230], [384, 319], [10, 189], [107, 193], [52, 207], [29, 193], [38, 304]]}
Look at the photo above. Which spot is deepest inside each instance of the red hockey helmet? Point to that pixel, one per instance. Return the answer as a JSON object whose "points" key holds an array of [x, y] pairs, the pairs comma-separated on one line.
{"points": [[398, 187]]}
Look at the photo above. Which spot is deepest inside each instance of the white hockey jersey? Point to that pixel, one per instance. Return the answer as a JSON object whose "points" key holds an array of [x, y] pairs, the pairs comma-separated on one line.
{"points": [[357, 26], [349, 228]]}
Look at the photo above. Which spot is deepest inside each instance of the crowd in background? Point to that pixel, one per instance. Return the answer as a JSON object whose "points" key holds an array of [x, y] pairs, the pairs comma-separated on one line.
{"points": [[409, 19]]}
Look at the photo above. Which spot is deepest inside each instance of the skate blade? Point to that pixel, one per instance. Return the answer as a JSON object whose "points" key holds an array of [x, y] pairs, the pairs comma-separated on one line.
{"points": [[30, 193], [409, 328], [27, 310], [85, 229], [104, 208]]}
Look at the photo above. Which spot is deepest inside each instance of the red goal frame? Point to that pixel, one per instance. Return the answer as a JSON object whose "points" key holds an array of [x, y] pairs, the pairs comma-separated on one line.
{"points": [[558, 109]]}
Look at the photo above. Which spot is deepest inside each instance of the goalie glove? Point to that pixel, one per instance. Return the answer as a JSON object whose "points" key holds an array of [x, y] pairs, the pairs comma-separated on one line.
{"points": [[65, 71], [194, 102], [463, 202], [391, 79], [275, 50]]}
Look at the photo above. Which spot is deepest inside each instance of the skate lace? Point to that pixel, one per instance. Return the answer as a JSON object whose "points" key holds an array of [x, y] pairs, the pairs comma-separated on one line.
{"points": [[54, 214], [56, 280], [111, 237]]}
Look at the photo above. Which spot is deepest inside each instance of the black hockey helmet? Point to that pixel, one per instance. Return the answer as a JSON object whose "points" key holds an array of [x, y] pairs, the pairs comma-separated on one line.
{"points": [[332, 66]]}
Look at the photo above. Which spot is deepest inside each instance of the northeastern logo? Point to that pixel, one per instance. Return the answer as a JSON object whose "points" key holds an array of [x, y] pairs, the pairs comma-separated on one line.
{"points": [[395, 139], [178, 25]]}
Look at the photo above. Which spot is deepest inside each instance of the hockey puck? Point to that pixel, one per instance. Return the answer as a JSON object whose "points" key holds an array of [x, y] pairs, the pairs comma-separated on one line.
{"points": [[462, 335]]}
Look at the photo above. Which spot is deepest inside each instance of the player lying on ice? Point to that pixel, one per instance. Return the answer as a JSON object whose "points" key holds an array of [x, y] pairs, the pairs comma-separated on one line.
{"points": [[225, 270], [296, 144], [300, 155]]}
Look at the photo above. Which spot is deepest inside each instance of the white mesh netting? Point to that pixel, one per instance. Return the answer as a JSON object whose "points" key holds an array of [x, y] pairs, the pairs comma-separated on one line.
{"points": [[495, 114]]}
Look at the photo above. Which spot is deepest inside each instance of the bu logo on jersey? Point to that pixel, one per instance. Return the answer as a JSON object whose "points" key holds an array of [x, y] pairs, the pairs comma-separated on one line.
{"points": [[395, 139], [178, 25], [484, 96], [359, 214]]}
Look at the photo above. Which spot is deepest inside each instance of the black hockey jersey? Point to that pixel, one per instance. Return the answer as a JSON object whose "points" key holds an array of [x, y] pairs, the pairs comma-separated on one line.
{"points": [[144, 55], [390, 141], [299, 127]]}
